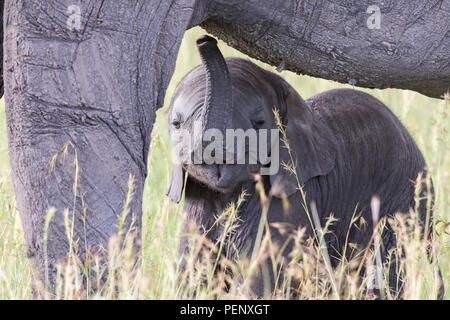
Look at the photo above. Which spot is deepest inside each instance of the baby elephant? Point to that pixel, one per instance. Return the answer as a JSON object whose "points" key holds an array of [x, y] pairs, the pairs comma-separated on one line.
{"points": [[345, 145]]}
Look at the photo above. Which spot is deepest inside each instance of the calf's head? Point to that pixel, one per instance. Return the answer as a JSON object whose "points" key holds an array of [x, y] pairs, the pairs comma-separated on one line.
{"points": [[223, 127]]}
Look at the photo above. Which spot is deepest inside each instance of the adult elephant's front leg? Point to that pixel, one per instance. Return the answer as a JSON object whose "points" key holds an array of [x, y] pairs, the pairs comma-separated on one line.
{"points": [[82, 83]]}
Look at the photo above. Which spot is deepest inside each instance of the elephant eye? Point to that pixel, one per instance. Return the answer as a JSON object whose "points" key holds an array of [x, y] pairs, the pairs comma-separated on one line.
{"points": [[176, 120], [258, 118], [258, 122], [176, 124]]}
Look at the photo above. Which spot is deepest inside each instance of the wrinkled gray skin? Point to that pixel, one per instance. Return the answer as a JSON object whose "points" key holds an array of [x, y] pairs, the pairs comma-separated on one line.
{"points": [[348, 146]]}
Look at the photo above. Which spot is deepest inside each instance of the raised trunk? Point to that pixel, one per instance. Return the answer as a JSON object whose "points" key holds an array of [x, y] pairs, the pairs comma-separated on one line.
{"points": [[80, 103], [404, 45], [218, 100]]}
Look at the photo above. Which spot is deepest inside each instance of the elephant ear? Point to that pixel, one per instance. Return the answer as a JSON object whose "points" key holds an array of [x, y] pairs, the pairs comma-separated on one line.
{"points": [[311, 145], [176, 184]]}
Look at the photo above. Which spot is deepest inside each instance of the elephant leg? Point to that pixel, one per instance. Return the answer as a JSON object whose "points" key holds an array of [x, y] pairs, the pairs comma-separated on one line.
{"points": [[82, 84]]}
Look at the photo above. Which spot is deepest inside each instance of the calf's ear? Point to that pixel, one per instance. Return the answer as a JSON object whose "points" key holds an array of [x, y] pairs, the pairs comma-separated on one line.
{"points": [[311, 149], [176, 184]]}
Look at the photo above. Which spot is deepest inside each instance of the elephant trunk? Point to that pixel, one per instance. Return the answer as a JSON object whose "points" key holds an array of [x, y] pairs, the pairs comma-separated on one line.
{"points": [[217, 109]]}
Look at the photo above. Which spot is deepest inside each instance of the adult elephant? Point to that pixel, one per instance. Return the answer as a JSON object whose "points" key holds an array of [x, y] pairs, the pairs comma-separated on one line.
{"points": [[83, 81]]}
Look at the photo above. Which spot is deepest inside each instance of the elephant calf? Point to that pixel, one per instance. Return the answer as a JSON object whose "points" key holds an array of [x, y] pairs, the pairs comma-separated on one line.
{"points": [[346, 146]]}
